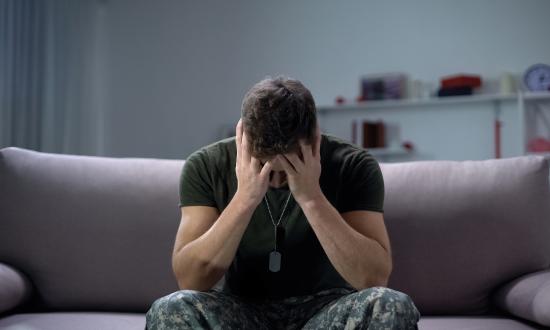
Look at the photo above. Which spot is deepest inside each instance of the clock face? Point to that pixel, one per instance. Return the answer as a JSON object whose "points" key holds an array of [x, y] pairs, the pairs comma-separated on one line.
{"points": [[537, 77]]}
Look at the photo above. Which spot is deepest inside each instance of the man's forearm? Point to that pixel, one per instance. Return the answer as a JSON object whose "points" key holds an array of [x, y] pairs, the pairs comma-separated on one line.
{"points": [[360, 260], [201, 264]]}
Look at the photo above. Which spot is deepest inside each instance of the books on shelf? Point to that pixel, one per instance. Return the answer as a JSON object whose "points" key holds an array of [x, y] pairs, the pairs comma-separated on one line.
{"points": [[374, 134]]}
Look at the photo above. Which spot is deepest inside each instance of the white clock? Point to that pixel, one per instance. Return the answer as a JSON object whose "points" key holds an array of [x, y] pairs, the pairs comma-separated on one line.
{"points": [[537, 78]]}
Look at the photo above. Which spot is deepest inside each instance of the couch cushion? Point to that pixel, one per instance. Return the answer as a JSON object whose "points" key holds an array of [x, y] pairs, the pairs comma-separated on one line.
{"points": [[72, 321], [527, 297], [91, 233], [461, 229], [15, 288], [474, 323]]}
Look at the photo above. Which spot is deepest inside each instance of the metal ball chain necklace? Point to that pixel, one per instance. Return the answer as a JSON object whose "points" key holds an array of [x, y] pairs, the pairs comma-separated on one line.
{"points": [[275, 255]]}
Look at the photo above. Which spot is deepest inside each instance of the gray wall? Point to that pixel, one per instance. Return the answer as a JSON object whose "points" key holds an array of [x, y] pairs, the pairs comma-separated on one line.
{"points": [[173, 73]]}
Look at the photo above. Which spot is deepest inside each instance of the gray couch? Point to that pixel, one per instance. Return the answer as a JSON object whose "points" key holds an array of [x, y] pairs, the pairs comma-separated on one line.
{"points": [[85, 242]]}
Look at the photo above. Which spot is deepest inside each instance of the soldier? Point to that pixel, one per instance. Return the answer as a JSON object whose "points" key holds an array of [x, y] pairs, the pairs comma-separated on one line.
{"points": [[289, 221]]}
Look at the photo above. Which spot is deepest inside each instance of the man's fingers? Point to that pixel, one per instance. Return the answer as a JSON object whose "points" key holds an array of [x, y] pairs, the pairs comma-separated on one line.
{"points": [[255, 162], [307, 150], [239, 129], [245, 152], [239, 136], [266, 169], [289, 169], [317, 146], [295, 161]]}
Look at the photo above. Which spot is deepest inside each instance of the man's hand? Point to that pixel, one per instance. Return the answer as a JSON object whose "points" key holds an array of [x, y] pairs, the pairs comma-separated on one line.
{"points": [[303, 176], [252, 177]]}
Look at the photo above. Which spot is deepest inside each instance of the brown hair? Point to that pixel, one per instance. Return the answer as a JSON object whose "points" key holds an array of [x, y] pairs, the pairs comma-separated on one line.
{"points": [[276, 113]]}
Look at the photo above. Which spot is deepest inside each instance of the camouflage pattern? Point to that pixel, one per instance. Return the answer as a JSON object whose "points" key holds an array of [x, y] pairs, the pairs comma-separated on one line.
{"points": [[373, 308]]}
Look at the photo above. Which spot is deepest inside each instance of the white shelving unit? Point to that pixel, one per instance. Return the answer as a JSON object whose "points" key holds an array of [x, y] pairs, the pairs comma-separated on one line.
{"points": [[411, 103], [527, 103]]}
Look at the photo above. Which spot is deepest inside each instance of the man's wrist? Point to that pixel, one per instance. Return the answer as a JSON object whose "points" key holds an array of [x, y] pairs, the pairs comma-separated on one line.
{"points": [[313, 201], [244, 203]]}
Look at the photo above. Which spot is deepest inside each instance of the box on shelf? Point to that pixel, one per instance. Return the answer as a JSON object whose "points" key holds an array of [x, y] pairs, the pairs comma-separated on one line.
{"points": [[461, 80], [383, 87], [460, 84]]}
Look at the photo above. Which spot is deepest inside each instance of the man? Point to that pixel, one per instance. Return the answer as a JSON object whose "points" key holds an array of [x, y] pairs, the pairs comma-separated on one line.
{"points": [[291, 219]]}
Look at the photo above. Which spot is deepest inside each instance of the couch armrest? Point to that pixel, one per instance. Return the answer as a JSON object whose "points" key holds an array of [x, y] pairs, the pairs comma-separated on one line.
{"points": [[15, 288], [527, 297]]}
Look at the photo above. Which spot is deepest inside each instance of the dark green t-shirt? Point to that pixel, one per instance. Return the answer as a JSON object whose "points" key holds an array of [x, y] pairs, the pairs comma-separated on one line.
{"points": [[350, 179]]}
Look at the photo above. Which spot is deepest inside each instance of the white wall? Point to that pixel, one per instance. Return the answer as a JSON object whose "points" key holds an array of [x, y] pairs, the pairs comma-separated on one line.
{"points": [[176, 71]]}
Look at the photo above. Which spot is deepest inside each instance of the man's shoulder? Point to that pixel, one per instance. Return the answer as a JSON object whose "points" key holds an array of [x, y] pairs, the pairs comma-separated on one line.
{"points": [[219, 154], [221, 146], [334, 140]]}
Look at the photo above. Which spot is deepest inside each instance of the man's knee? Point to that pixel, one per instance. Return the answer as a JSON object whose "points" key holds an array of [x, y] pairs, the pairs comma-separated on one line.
{"points": [[390, 303], [390, 299], [175, 300], [174, 308]]}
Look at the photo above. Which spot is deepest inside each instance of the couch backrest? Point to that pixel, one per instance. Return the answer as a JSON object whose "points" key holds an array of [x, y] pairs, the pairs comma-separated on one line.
{"points": [[461, 229], [90, 232], [97, 233]]}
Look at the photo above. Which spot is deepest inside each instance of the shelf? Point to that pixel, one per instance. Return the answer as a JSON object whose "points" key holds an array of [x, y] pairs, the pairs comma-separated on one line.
{"points": [[536, 95], [449, 100]]}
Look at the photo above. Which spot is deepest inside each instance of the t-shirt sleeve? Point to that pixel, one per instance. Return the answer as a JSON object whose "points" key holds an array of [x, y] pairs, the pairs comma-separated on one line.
{"points": [[195, 182], [364, 186]]}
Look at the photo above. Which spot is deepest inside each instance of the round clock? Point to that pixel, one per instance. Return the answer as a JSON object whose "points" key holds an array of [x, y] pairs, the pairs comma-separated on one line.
{"points": [[537, 77]]}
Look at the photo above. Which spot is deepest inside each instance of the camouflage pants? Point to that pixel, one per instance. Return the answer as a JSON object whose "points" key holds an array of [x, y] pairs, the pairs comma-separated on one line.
{"points": [[373, 308]]}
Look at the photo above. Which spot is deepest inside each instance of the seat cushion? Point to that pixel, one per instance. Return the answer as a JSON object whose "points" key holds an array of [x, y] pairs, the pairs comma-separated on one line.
{"points": [[461, 229], [114, 321], [73, 321], [474, 323]]}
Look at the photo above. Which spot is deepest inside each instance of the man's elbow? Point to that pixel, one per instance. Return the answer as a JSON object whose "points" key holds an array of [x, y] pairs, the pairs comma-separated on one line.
{"points": [[201, 279], [380, 278], [183, 284], [371, 283], [186, 283]]}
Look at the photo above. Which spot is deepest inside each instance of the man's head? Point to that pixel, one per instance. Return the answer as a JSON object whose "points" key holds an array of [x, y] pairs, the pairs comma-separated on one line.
{"points": [[276, 114]]}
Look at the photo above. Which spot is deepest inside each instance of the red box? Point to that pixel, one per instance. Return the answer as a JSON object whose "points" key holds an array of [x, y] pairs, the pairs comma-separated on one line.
{"points": [[461, 81]]}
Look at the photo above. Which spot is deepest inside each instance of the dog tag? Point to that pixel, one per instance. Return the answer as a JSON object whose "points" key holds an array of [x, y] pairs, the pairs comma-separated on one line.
{"points": [[274, 261]]}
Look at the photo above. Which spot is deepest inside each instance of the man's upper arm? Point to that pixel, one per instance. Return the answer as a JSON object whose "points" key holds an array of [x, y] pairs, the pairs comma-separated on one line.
{"points": [[196, 186], [195, 221], [363, 185], [369, 224], [197, 201]]}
